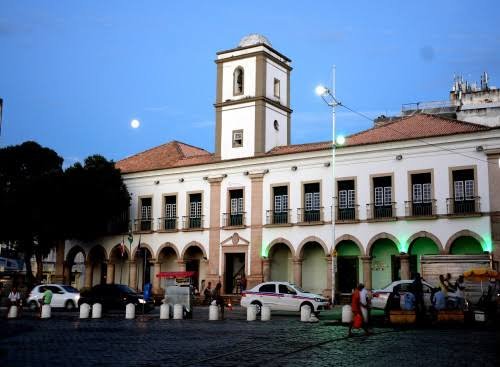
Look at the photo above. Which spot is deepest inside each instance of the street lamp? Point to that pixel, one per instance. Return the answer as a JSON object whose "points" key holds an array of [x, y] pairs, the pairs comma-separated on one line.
{"points": [[328, 97]]}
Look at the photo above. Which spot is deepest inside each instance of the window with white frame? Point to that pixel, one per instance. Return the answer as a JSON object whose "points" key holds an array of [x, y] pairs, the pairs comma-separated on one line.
{"points": [[280, 199], [170, 207], [463, 184], [146, 208], [195, 206], [237, 138], [382, 191], [312, 199]]}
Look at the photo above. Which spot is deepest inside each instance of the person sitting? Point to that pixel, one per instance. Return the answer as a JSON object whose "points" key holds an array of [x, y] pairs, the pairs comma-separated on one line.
{"points": [[14, 299], [409, 302], [438, 300]]}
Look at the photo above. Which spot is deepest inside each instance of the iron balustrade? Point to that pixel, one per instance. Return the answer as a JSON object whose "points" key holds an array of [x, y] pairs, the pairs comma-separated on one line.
{"points": [[192, 222], [346, 214], [380, 211], [465, 206], [143, 225], [167, 223], [420, 208], [309, 215], [278, 217], [233, 219]]}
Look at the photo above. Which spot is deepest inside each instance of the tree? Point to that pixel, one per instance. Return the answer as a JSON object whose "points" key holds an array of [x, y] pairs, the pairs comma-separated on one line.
{"points": [[30, 206]]}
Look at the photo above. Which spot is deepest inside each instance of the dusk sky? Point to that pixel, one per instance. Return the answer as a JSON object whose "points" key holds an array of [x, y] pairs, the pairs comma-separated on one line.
{"points": [[73, 74]]}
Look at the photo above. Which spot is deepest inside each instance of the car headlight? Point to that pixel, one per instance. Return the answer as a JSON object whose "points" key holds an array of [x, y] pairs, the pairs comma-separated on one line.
{"points": [[141, 300], [319, 299]]}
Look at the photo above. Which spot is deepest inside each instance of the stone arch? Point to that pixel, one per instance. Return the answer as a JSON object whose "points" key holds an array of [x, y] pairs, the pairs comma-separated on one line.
{"points": [[116, 248], [283, 241], [426, 235], [70, 257], [167, 245], [143, 245], [193, 244], [463, 233], [94, 250], [379, 237], [318, 240], [348, 237]]}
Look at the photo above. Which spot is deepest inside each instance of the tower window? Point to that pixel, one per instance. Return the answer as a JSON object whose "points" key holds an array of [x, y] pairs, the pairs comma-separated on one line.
{"points": [[276, 87], [238, 79], [237, 138], [276, 125]]}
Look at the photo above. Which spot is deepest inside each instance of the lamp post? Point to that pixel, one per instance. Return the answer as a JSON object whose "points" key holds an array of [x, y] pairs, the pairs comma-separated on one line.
{"points": [[328, 97]]}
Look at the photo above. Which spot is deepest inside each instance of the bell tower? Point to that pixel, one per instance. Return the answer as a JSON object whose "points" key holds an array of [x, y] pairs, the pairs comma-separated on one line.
{"points": [[252, 107]]}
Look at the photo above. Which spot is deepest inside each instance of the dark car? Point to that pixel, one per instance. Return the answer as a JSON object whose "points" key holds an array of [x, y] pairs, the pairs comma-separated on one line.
{"points": [[115, 297]]}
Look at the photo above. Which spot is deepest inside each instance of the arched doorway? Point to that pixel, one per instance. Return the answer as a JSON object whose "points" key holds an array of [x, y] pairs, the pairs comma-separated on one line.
{"points": [[118, 260], [193, 258], [75, 267], [167, 257], [466, 245], [421, 246], [314, 267], [144, 270], [385, 263], [280, 258], [97, 267], [349, 267]]}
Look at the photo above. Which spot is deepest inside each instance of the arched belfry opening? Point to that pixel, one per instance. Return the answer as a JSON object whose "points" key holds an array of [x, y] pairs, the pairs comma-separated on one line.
{"points": [[238, 80]]}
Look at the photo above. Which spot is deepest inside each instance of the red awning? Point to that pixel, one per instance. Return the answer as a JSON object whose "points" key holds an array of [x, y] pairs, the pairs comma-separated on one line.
{"points": [[176, 274]]}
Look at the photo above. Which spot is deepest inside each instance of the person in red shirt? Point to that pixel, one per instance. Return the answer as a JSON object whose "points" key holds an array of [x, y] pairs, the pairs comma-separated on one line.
{"points": [[356, 310]]}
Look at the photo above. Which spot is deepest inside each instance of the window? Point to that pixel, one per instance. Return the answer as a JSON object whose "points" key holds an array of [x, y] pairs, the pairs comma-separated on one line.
{"points": [[346, 199], [237, 138], [195, 210], [463, 185], [284, 289], [280, 210], [276, 87], [170, 214], [312, 203], [382, 197], [268, 288], [276, 125], [238, 80], [146, 208], [235, 217]]}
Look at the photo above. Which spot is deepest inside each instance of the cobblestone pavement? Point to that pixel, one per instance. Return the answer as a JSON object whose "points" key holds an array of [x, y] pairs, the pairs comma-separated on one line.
{"points": [[148, 341]]}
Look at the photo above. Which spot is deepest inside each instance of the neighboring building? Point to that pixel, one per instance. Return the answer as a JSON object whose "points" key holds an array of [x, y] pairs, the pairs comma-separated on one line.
{"points": [[258, 205]]}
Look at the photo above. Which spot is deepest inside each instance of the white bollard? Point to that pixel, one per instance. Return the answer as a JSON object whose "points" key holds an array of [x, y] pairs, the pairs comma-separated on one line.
{"points": [[305, 313], [213, 313], [46, 312], [178, 312], [346, 314], [130, 311], [265, 313], [84, 311], [12, 312], [96, 311], [164, 311], [251, 313]]}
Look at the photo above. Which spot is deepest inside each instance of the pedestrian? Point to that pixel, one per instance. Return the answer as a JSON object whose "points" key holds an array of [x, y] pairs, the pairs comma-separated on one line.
{"points": [[357, 316], [217, 297], [438, 299], [442, 285], [207, 293], [460, 292], [448, 283], [14, 299], [365, 305], [46, 299], [417, 289], [243, 282]]}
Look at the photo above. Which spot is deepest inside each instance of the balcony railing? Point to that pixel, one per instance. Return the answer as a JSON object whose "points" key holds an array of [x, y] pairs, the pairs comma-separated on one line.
{"points": [[189, 222], [346, 214], [167, 223], [143, 225], [278, 217], [420, 209], [309, 215], [381, 211], [233, 219], [463, 207]]}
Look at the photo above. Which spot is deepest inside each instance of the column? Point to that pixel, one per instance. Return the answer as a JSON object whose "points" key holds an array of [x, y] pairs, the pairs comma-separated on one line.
{"points": [[297, 271], [405, 266], [214, 231], [329, 283], [181, 265], [88, 274], [156, 279], [367, 271], [59, 270], [110, 273], [266, 269], [256, 270], [132, 266]]}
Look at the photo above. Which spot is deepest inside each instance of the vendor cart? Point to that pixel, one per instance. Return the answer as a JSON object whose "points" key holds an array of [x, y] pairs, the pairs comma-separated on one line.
{"points": [[179, 289]]}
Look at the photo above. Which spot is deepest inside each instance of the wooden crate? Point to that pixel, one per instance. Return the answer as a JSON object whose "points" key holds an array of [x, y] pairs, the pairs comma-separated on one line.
{"points": [[402, 317], [450, 315]]}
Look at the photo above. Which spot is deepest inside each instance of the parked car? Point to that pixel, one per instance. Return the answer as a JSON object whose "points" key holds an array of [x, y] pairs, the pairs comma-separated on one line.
{"points": [[282, 296], [62, 296], [115, 297], [380, 296]]}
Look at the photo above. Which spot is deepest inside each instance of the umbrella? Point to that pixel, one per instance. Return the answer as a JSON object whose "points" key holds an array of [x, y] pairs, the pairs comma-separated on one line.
{"points": [[480, 274]]}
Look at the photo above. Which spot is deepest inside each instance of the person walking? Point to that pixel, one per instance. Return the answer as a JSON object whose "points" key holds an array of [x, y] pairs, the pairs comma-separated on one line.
{"points": [[417, 288], [219, 300], [207, 293], [365, 305], [356, 310]]}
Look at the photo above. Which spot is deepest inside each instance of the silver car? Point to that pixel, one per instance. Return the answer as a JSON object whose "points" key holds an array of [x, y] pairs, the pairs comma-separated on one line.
{"points": [[63, 296]]}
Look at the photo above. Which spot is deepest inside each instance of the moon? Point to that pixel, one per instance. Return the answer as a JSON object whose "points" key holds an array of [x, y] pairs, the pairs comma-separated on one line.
{"points": [[135, 123]]}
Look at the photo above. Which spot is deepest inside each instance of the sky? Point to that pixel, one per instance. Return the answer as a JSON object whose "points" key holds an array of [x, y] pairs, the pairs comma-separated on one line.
{"points": [[73, 74]]}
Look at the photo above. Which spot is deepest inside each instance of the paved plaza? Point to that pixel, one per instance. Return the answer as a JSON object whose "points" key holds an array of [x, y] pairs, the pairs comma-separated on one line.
{"points": [[148, 341]]}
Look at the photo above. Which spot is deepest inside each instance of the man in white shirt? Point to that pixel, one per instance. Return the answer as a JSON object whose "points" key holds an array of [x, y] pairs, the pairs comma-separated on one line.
{"points": [[364, 300], [14, 299]]}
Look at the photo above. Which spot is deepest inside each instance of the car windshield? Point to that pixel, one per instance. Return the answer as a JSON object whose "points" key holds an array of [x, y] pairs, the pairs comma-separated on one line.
{"points": [[70, 289]]}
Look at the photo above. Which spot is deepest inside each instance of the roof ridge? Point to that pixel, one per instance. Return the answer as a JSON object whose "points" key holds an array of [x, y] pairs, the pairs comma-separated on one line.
{"points": [[457, 121], [147, 150]]}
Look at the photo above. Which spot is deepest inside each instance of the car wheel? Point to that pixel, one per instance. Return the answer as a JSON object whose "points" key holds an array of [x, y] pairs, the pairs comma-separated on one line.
{"points": [[257, 305], [307, 304], [70, 306], [33, 306]]}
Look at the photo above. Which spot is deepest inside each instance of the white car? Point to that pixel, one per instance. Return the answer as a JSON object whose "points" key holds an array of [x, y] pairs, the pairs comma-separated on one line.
{"points": [[282, 296], [62, 296]]}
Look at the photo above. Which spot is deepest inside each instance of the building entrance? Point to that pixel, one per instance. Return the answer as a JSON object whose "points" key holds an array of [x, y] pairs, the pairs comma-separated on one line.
{"points": [[348, 273], [234, 269]]}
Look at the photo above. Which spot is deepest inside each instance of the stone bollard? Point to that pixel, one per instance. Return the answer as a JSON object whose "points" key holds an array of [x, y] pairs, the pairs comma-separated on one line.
{"points": [[96, 311], [46, 312], [178, 312], [251, 313], [305, 313], [130, 311], [164, 311], [346, 314], [265, 313], [12, 312], [213, 313], [84, 311]]}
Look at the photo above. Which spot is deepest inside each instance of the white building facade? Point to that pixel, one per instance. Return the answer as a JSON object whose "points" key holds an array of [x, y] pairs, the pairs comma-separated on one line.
{"points": [[262, 207]]}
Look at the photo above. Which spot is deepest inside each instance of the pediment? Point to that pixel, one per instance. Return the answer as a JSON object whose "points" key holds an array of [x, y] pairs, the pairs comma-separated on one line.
{"points": [[235, 240]]}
